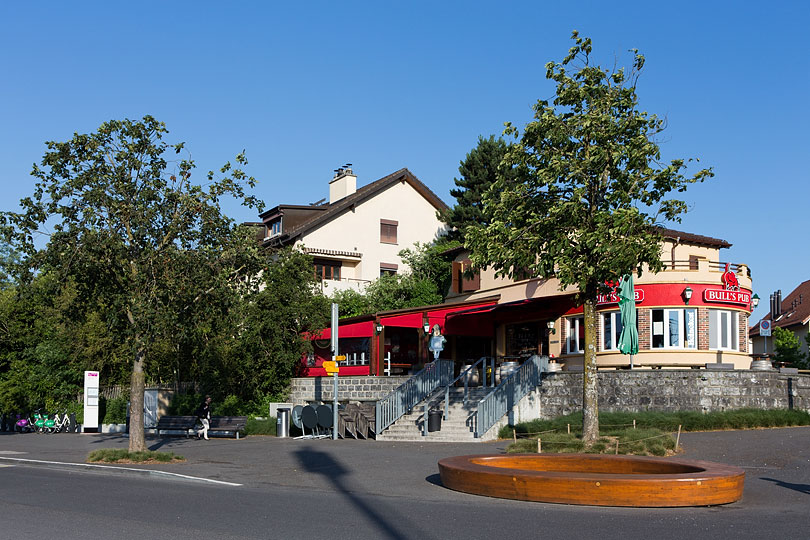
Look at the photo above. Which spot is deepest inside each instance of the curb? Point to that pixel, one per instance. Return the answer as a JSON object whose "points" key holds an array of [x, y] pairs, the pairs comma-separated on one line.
{"points": [[120, 470]]}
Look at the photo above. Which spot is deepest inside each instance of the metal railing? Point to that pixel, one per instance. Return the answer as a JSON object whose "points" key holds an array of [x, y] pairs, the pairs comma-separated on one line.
{"points": [[509, 393], [466, 373], [399, 402]]}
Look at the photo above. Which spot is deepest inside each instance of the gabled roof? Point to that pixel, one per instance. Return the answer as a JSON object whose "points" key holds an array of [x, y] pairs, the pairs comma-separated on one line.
{"points": [[326, 212], [794, 310]]}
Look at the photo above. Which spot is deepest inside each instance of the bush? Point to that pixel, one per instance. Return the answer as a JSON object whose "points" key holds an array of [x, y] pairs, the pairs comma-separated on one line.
{"points": [[265, 426], [185, 404], [114, 411], [688, 420]]}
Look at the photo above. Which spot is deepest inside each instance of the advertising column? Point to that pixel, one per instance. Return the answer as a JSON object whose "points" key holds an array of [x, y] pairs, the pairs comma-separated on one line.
{"points": [[91, 385]]}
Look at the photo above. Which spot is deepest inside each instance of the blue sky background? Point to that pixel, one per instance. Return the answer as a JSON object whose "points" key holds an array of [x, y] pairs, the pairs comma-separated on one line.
{"points": [[305, 88]]}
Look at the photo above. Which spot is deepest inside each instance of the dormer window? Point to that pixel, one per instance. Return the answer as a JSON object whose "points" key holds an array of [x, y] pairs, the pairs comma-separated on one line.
{"points": [[275, 227]]}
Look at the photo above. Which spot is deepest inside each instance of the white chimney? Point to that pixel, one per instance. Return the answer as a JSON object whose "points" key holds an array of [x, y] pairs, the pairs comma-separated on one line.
{"points": [[342, 185]]}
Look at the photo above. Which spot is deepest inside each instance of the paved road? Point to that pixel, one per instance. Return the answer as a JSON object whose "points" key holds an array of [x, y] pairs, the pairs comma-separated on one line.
{"points": [[364, 489]]}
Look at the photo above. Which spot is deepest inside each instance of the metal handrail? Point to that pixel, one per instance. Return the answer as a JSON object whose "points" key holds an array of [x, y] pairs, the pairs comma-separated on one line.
{"points": [[509, 393], [399, 402], [465, 374]]}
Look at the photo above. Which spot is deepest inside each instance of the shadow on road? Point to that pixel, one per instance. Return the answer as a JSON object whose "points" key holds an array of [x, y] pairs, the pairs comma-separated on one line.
{"points": [[801, 488], [317, 462]]}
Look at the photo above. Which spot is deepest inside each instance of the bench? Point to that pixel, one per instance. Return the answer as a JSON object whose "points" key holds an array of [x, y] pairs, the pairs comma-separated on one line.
{"points": [[186, 424], [175, 423], [227, 424]]}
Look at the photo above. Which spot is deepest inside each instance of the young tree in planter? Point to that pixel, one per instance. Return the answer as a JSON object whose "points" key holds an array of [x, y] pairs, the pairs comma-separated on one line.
{"points": [[117, 204], [787, 347], [587, 191]]}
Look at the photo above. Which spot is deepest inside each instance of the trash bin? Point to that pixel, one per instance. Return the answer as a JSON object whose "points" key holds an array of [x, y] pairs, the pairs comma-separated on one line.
{"points": [[435, 420], [282, 422]]}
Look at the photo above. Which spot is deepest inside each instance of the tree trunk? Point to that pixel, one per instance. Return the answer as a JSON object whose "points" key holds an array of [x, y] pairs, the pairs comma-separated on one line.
{"points": [[590, 389], [137, 440]]}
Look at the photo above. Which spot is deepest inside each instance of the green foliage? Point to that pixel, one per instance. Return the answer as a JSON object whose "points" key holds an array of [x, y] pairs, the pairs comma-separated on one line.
{"points": [[184, 404], [479, 172], [255, 426], [113, 411], [788, 349], [425, 284], [144, 276], [116, 455], [580, 174], [638, 442], [572, 195], [667, 421]]}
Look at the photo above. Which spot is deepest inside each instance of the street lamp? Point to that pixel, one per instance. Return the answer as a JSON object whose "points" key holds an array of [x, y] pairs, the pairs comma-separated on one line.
{"points": [[550, 326], [687, 294], [754, 301]]}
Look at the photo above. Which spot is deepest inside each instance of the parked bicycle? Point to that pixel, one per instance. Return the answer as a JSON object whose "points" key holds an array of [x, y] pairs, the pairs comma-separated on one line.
{"points": [[43, 422], [61, 421]]}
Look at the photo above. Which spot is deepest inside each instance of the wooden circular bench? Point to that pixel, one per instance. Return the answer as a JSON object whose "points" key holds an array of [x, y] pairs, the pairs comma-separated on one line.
{"points": [[594, 479]]}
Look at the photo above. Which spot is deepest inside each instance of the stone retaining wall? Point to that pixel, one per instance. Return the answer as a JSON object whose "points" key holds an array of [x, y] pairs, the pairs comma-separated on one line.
{"points": [[676, 390], [306, 390]]}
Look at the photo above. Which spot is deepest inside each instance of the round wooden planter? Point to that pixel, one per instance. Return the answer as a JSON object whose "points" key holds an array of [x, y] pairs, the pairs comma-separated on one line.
{"points": [[594, 479]]}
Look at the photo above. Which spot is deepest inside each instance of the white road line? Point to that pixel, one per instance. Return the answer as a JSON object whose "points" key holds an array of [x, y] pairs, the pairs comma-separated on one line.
{"points": [[147, 472]]}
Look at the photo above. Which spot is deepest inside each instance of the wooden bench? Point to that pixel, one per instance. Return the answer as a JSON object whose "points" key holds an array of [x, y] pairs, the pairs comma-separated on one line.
{"points": [[175, 423], [227, 424]]}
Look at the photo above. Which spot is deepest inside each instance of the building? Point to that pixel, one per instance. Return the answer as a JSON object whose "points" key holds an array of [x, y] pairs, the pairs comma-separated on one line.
{"points": [[357, 235], [791, 314], [692, 314]]}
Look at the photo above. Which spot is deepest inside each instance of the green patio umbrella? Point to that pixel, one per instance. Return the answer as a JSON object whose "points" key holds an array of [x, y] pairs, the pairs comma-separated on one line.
{"points": [[628, 340]]}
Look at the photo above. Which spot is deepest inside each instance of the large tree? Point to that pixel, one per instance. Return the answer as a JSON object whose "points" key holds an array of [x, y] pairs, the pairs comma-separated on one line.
{"points": [[478, 170], [136, 220], [589, 186]]}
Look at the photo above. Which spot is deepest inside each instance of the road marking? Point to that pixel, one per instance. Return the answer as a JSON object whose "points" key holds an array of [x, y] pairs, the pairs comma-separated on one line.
{"points": [[11, 452], [145, 472]]}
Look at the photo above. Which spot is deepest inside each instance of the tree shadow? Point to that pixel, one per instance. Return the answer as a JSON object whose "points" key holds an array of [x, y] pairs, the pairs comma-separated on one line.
{"points": [[801, 488], [318, 462]]}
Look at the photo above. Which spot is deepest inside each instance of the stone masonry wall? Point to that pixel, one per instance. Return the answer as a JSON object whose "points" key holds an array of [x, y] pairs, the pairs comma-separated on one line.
{"points": [[306, 390], [676, 390]]}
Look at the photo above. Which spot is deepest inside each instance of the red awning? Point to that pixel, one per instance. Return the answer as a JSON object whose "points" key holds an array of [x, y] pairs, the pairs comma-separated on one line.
{"points": [[352, 330]]}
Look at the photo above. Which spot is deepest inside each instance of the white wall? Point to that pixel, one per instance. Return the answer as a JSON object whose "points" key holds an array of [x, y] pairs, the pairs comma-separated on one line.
{"points": [[359, 230]]}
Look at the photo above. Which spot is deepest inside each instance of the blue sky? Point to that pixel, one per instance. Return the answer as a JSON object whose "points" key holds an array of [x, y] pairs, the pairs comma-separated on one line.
{"points": [[305, 88]]}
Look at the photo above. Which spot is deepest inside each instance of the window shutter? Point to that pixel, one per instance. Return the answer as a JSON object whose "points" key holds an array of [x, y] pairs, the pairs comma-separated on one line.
{"points": [[456, 282]]}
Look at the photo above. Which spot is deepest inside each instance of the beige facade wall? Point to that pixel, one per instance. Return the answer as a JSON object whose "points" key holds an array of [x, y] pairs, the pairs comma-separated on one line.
{"points": [[358, 230]]}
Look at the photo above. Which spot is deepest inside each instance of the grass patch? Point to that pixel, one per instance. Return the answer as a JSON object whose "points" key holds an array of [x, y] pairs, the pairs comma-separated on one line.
{"points": [[689, 421], [119, 455], [637, 442], [264, 426]]}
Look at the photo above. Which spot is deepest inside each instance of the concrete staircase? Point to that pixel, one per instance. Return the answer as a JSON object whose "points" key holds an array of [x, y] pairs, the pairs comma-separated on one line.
{"points": [[458, 427]]}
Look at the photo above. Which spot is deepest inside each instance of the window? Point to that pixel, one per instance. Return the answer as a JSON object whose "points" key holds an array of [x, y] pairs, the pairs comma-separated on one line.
{"points": [[275, 227], [611, 330], [327, 269], [463, 281], [388, 231], [576, 334], [388, 269], [723, 330], [674, 329]]}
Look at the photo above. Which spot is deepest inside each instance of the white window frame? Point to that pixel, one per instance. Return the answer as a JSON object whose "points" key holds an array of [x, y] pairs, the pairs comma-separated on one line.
{"points": [[683, 343], [614, 338], [572, 335], [731, 324]]}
